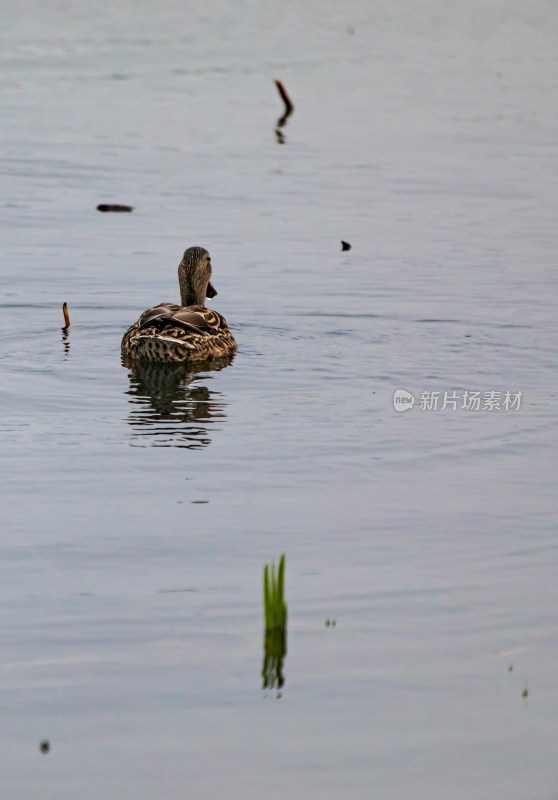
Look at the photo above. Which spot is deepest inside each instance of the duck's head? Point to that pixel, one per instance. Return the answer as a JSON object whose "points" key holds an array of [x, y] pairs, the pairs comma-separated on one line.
{"points": [[194, 277]]}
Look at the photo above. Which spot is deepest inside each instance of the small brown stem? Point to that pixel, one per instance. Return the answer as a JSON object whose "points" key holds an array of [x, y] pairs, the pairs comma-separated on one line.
{"points": [[113, 207], [285, 97], [66, 315]]}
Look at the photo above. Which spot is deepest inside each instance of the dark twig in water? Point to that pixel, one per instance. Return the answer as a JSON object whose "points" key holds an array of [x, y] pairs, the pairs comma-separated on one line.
{"points": [[289, 108], [345, 245], [66, 315], [113, 207]]}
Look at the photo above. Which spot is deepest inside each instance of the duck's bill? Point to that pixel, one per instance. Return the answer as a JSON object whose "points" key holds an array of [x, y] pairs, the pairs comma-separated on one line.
{"points": [[211, 292]]}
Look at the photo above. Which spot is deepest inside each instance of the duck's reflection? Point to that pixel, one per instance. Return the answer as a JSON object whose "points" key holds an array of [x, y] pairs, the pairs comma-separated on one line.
{"points": [[171, 405]]}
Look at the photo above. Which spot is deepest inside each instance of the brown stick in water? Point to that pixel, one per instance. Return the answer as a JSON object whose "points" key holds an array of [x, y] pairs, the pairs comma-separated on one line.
{"points": [[114, 207], [66, 315], [289, 108]]}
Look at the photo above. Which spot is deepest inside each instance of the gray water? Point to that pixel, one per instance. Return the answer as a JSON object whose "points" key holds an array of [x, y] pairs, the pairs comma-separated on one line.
{"points": [[139, 508]]}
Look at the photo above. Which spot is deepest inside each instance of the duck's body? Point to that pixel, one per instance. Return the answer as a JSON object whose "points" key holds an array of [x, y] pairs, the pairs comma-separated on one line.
{"points": [[172, 333], [189, 332]]}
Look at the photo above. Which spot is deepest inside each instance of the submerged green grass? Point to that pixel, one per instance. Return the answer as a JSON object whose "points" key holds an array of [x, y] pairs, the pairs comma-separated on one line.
{"points": [[275, 620]]}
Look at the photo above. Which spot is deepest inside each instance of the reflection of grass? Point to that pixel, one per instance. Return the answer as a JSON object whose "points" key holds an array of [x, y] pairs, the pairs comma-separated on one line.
{"points": [[275, 616], [275, 650], [275, 608]]}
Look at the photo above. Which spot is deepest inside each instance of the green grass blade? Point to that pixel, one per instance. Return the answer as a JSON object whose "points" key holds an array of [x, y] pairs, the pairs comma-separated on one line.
{"points": [[281, 580], [275, 609], [266, 598]]}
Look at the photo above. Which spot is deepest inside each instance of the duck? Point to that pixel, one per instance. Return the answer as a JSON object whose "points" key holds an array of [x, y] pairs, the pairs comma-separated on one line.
{"points": [[189, 332]]}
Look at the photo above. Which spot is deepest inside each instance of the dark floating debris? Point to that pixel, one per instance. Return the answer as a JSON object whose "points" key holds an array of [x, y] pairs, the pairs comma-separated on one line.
{"points": [[113, 207], [289, 108], [525, 692], [44, 747], [66, 315], [345, 245]]}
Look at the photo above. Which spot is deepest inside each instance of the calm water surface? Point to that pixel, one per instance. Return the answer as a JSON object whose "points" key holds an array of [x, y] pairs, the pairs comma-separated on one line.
{"points": [[140, 506]]}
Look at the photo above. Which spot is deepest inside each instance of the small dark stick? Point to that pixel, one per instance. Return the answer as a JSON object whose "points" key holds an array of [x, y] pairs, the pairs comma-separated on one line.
{"points": [[345, 245], [289, 107], [113, 207], [66, 315]]}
